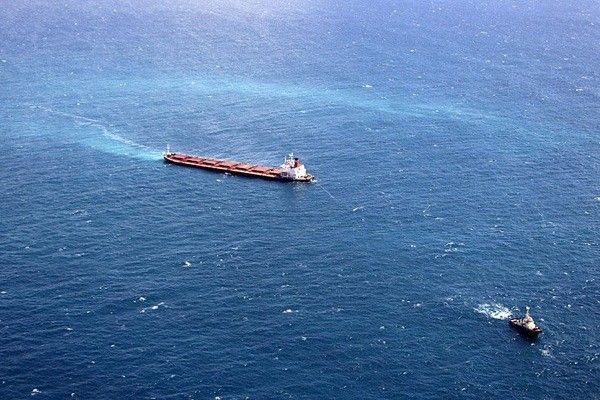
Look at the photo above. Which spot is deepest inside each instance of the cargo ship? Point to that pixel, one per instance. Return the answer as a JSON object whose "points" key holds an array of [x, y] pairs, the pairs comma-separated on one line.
{"points": [[292, 168]]}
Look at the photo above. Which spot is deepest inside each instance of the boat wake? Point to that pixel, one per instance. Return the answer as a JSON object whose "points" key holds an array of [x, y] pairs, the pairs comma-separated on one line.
{"points": [[109, 141], [494, 311]]}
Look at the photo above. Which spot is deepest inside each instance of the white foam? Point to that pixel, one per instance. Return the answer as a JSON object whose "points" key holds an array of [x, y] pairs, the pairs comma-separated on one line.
{"points": [[154, 307], [289, 311], [450, 247], [187, 264], [495, 311], [546, 351], [35, 391]]}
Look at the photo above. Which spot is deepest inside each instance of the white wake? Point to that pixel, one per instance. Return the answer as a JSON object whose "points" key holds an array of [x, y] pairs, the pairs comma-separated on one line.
{"points": [[493, 310]]}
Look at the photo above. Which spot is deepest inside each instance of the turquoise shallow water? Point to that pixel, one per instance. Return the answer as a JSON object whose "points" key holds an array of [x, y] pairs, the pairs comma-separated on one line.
{"points": [[456, 147]]}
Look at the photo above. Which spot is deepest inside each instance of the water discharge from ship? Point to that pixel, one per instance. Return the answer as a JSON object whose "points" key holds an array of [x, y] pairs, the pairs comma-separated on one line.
{"points": [[108, 141]]}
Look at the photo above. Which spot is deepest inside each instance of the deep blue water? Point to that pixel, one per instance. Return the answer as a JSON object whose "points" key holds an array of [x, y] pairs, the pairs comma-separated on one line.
{"points": [[457, 150]]}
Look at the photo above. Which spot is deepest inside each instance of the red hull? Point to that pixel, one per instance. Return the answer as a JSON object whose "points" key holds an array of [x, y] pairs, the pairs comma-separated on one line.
{"points": [[232, 167]]}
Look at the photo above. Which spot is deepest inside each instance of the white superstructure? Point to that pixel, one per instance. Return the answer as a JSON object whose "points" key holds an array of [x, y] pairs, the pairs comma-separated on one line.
{"points": [[293, 169]]}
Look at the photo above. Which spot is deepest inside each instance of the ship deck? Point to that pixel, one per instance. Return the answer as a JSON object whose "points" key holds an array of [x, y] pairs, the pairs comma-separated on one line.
{"points": [[215, 164]]}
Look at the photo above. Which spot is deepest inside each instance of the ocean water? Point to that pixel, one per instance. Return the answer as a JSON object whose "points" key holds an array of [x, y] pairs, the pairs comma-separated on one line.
{"points": [[457, 150]]}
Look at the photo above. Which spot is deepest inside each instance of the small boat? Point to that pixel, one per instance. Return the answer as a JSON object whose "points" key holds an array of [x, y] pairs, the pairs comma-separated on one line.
{"points": [[526, 325]]}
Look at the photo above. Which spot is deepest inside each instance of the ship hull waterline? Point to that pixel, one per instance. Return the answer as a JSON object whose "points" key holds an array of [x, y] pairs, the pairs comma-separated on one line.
{"points": [[232, 167]]}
